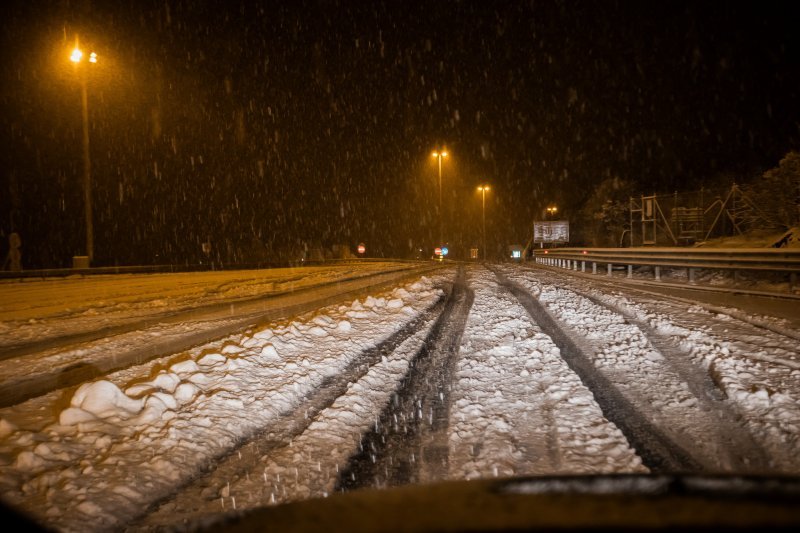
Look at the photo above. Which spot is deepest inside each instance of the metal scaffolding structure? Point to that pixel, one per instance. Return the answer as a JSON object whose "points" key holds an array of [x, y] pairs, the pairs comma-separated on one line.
{"points": [[692, 217]]}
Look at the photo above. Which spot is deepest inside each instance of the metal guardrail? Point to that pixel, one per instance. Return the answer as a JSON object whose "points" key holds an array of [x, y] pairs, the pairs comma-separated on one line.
{"points": [[754, 259]]}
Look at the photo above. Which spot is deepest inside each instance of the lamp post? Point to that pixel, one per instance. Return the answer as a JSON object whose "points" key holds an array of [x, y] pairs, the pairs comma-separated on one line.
{"points": [[439, 154], [77, 57], [483, 189], [551, 211]]}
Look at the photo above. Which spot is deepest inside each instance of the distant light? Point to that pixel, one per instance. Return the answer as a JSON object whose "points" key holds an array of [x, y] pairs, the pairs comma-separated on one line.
{"points": [[92, 58], [584, 252], [76, 56], [444, 154], [435, 154], [546, 252]]}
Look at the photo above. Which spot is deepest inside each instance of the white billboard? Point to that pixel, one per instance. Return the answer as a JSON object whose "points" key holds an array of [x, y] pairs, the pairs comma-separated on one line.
{"points": [[551, 231]]}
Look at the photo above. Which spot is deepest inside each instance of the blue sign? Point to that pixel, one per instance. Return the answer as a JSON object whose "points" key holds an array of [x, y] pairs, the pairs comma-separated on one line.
{"points": [[444, 250]]}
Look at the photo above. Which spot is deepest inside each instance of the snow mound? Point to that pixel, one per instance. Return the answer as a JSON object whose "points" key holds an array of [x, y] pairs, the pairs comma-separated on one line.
{"points": [[99, 399]]}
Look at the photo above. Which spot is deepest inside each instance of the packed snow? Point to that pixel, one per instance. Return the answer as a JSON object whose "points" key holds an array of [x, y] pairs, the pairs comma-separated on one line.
{"points": [[517, 408], [119, 444], [130, 449]]}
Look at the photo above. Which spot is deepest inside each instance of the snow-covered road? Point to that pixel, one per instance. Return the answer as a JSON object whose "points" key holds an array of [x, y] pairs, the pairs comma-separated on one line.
{"points": [[483, 373]]}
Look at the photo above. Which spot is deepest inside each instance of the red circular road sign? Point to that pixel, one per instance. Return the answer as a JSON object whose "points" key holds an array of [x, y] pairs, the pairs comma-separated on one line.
{"points": [[362, 248]]}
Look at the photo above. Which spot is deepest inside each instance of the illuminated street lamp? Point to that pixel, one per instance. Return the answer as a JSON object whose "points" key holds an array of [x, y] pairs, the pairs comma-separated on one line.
{"points": [[551, 211], [77, 57], [483, 189], [439, 154]]}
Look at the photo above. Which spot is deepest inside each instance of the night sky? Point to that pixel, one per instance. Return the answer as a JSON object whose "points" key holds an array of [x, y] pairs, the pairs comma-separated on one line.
{"points": [[266, 128]]}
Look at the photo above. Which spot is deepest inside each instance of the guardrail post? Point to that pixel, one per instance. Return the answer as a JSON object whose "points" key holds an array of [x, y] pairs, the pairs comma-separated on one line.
{"points": [[630, 271], [583, 266], [657, 272], [575, 265], [690, 272], [609, 269], [594, 267], [792, 280]]}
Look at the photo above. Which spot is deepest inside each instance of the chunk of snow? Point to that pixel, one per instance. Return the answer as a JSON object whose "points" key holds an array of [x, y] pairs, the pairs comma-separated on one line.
{"points": [[103, 398], [264, 334], [186, 392], [269, 352], [185, 367], [232, 349], [166, 381], [6, 428], [89, 508], [73, 416], [395, 303], [212, 359], [318, 331], [28, 461], [654, 356]]}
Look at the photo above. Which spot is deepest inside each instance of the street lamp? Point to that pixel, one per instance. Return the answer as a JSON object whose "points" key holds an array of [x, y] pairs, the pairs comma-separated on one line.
{"points": [[77, 57], [484, 189], [551, 211], [439, 154]]}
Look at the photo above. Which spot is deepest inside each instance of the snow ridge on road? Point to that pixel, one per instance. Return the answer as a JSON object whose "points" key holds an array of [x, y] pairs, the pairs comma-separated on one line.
{"points": [[658, 452], [517, 408], [625, 355], [230, 477], [129, 440]]}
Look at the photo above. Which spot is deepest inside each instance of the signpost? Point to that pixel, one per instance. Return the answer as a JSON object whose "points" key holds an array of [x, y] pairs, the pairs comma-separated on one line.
{"points": [[551, 232]]}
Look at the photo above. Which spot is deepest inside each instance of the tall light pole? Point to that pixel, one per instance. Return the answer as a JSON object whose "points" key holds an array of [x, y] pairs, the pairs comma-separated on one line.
{"points": [[483, 189], [77, 57], [439, 154]]}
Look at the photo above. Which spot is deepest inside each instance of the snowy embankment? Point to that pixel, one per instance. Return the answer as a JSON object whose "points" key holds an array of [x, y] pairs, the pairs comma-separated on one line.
{"points": [[517, 407], [763, 395], [102, 454], [32, 310]]}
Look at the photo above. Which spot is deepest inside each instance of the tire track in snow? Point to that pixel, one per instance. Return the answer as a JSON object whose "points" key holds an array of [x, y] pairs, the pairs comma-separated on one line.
{"points": [[408, 443], [658, 452], [759, 432], [517, 407], [239, 462], [742, 453]]}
